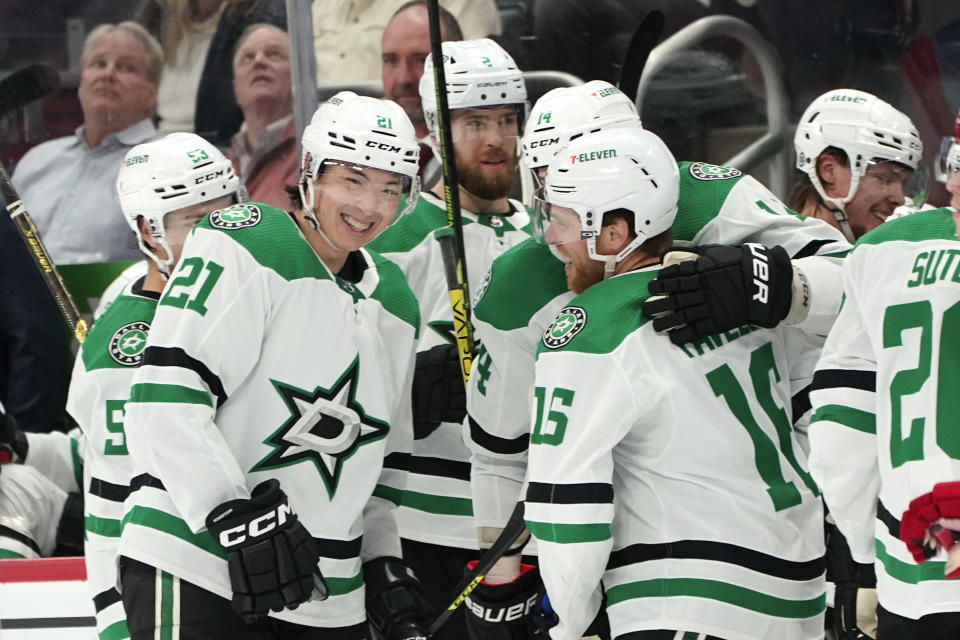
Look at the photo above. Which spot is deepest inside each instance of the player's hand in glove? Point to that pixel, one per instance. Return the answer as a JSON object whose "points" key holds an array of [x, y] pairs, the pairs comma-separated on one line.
{"points": [[438, 391], [504, 611], [13, 442], [395, 603], [271, 557], [720, 289]]}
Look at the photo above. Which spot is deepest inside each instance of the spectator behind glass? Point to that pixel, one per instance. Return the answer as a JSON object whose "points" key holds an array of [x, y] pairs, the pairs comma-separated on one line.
{"points": [[345, 33], [68, 183], [199, 38], [405, 45], [264, 151]]}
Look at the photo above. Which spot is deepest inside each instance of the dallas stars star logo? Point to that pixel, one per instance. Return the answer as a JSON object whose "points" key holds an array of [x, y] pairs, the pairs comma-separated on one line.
{"points": [[325, 427]]}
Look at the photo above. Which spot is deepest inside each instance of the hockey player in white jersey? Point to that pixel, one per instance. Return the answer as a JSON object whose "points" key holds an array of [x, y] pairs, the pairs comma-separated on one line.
{"points": [[690, 503], [31, 505], [487, 100], [274, 384], [861, 158], [526, 288], [165, 187], [879, 444]]}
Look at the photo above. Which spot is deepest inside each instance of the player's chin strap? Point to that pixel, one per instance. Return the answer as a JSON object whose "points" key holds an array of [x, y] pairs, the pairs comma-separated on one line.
{"points": [[836, 206], [309, 214], [610, 261]]}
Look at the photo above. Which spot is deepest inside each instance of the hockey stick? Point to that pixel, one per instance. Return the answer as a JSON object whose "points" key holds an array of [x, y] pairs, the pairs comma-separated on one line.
{"points": [[454, 257], [26, 85], [16, 90], [644, 39], [512, 530]]}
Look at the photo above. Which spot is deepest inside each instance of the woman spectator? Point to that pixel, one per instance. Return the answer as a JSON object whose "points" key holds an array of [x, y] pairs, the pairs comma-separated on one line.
{"points": [[199, 38]]}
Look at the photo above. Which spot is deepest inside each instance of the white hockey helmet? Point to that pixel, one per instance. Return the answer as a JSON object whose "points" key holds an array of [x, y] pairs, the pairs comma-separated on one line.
{"points": [[177, 171], [629, 169], [564, 114], [361, 131], [864, 127], [478, 73]]}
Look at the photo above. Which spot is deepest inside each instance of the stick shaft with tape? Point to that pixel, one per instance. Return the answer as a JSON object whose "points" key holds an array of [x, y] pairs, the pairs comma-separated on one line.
{"points": [[454, 257], [28, 230]]}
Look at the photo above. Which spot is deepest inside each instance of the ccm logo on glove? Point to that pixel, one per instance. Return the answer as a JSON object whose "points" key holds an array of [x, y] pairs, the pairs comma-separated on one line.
{"points": [[761, 274], [502, 614], [256, 527]]}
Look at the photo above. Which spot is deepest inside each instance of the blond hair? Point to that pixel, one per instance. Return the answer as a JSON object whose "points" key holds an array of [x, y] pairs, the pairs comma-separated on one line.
{"points": [[150, 45]]}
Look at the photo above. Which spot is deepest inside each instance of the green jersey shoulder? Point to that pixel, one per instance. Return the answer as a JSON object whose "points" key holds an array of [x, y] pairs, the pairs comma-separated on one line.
{"points": [[703, 190], [936, 224], [118, 338], [270, 236], [429, 215], [529, 267], [393, 292], [599, 319]]}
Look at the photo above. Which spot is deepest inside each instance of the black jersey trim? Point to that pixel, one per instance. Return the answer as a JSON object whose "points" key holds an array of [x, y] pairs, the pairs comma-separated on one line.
{"points": [[440, 467], [849, 378], [340, 549], [177, 357], [145, 480], [397, 460], [21, 538], [105, 598], [801, 402], [890, 521], [108, 490], [719, 552], [496, 444], [137, 289], [581, 493], [811, 248]]}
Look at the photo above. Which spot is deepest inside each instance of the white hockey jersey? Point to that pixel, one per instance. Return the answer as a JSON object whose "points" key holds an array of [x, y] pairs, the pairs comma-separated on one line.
{"points": [[99, 390], [526, 287], [30, 510], [885, 399], [673, 475], [262, 364], [437, 506]]}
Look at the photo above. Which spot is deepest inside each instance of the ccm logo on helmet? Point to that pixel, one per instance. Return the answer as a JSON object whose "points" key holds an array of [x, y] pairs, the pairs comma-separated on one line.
{"points": [[544, 143], [383, 146], [502, 614], [209, 176], [256, 527], [761, 273]]}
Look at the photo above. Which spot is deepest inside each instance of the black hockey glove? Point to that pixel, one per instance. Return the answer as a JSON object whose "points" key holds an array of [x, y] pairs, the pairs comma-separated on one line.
{"points": [[438, 391], [70, 527], [271, 557], [505, 611], [724, 288], [395, 603], [13, 442], [848, 577]]}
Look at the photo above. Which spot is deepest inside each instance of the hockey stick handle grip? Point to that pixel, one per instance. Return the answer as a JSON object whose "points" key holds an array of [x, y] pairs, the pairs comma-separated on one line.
{"points": [[459, 298], [28, 231], [512, 530]]}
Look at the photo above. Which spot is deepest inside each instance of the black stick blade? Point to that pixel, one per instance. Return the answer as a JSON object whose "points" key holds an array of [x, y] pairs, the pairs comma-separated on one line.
{"points": [[26, 85], [644, 39]]}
